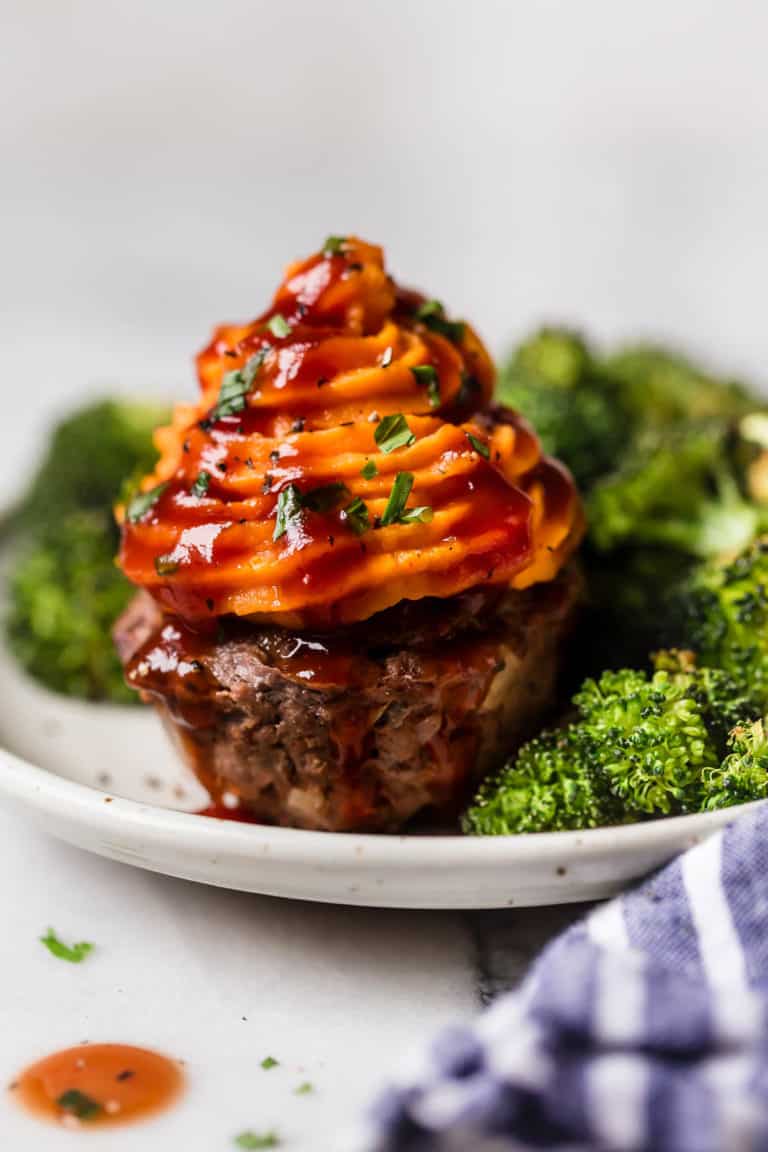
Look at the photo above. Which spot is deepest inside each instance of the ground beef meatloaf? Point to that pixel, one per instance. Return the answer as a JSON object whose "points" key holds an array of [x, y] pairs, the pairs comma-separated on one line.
{"points": [[364, 729], [356, 570]]}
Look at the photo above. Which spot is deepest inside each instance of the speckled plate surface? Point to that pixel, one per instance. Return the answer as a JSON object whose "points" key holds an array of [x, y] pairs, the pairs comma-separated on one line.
{"points": [[106, 779]]}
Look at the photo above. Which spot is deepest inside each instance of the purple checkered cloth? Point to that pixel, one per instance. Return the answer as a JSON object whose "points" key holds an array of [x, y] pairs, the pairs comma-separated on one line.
{"points": [[641, 1029]]}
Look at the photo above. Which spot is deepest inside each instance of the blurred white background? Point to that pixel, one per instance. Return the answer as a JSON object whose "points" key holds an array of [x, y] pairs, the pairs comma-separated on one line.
{"points": [[599, 162]]}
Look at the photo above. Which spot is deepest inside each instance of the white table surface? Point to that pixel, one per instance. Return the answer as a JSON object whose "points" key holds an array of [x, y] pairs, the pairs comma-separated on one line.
{"points": [[221, 980]]}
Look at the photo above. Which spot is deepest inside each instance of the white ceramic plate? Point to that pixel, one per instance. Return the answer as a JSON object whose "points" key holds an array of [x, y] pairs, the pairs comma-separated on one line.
{"points": [[107, 780]]}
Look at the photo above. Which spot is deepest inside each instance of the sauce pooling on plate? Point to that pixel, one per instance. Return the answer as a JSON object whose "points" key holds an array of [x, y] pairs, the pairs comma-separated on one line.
{"points": [[99, 1085], [342, 458]]}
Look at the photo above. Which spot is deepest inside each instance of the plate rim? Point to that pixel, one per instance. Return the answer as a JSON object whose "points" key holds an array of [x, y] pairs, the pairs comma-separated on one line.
{"points": [[42, 790]]}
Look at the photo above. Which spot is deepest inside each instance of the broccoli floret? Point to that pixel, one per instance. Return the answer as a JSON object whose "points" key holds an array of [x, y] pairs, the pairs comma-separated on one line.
{"points": [[641, 745], [661, 388], [576, 409], [725, 611], [549, 786], [66, 591], [91, 455], [66, 594], [676, 488], [743, 774], [649, 738]]}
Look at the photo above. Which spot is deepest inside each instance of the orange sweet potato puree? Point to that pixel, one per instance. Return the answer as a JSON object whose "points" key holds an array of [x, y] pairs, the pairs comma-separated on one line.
{"points": [[266, 502]]}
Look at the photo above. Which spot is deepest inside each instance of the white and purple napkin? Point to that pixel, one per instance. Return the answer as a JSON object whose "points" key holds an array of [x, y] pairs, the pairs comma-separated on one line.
{"points": [[641, 1028]]}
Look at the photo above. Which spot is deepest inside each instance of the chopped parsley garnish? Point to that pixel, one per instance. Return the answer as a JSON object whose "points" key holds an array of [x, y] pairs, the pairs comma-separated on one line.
{"points": [[77, 1104], [166, 565], [324, 498], [288, 508], [334, 245], [256, 1140], [481, 449], [304, 1089], [74, 954], [278, 325], [426, 375], [421, 515], [386, 357], [142, 502], [235, 386], [393, 432], [269, 1062], [356, 515], [200, 486], [369, 470], [396, 512], [291, 502], [252, 365], [432, 314]]}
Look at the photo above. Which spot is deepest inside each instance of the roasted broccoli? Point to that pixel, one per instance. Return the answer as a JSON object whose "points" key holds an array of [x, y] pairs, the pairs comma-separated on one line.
{"points": [[66, 594], [65, 590], [548, 786], [743, 774], [724, 612], [91, 455], [576, 409], [677, 488], [641, 745], [662, 388]]}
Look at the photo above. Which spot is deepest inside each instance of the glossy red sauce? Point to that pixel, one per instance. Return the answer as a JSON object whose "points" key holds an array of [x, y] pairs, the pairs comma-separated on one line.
{"points": [[99, 1085], [338, 349]]}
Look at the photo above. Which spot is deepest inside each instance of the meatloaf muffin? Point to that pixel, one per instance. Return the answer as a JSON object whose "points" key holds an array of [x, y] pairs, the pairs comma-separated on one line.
{"points": [[354, 568]]}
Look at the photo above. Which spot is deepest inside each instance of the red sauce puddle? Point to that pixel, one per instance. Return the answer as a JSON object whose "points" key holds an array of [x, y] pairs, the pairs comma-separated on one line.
{"points": [[99, 1085]]}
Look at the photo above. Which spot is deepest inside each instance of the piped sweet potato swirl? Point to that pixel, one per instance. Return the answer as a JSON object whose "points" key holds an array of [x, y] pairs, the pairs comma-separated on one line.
{"points": [[344, 456]]}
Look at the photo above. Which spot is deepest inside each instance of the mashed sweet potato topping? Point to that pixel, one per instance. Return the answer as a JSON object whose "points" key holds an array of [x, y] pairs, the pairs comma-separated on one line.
{"points": [[344, 455]]}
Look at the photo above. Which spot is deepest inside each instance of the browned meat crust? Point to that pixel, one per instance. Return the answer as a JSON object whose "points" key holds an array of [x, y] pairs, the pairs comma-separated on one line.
{"points": [[363, 730]]}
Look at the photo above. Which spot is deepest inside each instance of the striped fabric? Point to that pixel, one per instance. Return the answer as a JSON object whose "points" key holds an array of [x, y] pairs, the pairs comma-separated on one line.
{"points": [[641, 1028]]}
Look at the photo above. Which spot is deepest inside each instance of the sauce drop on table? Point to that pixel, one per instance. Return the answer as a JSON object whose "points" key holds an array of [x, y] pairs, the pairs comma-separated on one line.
{"points": [[99, 1085]]}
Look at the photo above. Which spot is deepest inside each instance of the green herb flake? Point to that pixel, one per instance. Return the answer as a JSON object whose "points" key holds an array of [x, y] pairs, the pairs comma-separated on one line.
{"points": [[479, 447], [426, 375], [369, 470], [356, 515], [334, 246], [77, 1104], [235, 386], [326, 497], [142, 502], [421, 515], [201, 484], [432, 315], [166, 565], [74, 954], [288, 509], [305, 1089], [398, 498], [393, 432], [279, 326], [255, 1140], [269, 1062]]}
